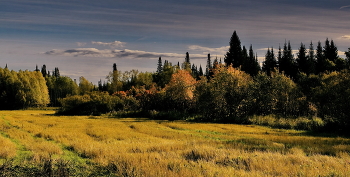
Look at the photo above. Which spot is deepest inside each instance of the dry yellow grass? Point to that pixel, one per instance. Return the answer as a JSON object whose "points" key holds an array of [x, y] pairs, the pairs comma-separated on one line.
{"points": [[141, 147]]}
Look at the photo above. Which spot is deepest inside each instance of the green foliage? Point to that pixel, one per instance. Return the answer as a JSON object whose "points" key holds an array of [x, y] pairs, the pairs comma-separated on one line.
{"points": [[60, 87], [23, 89], [222, 98], [332, 98], [93, 103], [301, 123], [277, 94]]}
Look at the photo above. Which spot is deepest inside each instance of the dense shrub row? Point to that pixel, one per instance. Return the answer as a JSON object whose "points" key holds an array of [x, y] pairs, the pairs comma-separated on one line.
{"points": [[232, 96]]}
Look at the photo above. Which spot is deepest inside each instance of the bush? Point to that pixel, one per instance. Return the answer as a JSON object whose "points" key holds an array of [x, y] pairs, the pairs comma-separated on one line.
{"points": [[300, 123], [94, 103]]}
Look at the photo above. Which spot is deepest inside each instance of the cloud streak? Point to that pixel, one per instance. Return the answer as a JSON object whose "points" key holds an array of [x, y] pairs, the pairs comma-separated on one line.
{"points": [[346, 37], [221, 50], [342, 7], [125, 53], [117, 44]]}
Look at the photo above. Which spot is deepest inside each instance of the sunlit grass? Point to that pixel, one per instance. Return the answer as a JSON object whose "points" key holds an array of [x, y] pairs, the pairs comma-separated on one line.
{"points": [[142, 147]]}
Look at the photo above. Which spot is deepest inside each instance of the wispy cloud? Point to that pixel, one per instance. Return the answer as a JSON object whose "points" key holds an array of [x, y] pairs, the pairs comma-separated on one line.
{"points": [[342, 7], [346, 37], [125, 53], [117, 44], [81, 44], [221, 50]]}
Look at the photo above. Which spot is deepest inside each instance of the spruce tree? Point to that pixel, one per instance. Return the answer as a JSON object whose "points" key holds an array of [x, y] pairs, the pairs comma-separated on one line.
{"points": [[251, 64], [208, 67], [311, 59], [270, 63], [43, 71], [347, 60], [36, 68], [114, 67], [159, 67], [200, 72], [234, 55], [330, 51], [320, 59], [287, 64], [302, 61]]}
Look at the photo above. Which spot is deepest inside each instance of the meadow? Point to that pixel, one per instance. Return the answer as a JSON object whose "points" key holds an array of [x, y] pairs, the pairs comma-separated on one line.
{"points": [[40, 143]]}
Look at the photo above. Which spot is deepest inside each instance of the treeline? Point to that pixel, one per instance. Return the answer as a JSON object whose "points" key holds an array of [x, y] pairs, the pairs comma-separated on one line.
{"points": [[314, 84], [23, 89]]}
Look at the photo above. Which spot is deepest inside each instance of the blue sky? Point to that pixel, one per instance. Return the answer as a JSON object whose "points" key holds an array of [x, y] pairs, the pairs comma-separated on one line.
{"points": [[85, 37]]}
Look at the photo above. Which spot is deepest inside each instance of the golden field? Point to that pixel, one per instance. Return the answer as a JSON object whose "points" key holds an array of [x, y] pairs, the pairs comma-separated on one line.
{"points": [[143, 147]]}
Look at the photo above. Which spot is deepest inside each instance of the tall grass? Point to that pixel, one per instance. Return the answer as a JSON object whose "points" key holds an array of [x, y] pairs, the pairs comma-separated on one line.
{"points": [[103, 146]]}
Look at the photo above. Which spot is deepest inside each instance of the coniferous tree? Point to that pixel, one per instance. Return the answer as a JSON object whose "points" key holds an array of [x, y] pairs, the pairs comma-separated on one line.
{"points": [[287, 64], [234, 55], [311, 59], [347, 60], [320, 59], [251, 64], [187, 65], [159, 67], [36, 68], [330, 51], [302, 60], [43, 70], [270, 63], [200, 72], [114, 67], [56, 73], [208, 67]]}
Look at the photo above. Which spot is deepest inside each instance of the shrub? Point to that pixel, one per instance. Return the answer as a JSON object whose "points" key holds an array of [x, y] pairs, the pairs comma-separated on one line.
{"points": [[93, 103]]}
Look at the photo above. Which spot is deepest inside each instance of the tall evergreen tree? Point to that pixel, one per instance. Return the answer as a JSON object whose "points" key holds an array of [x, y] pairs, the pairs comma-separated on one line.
{"points": [[251, 64], [56, 72], [320, 59], [270, 63], [330, 51], [311, 59], [287, 64], [159, 67], [302, 61], [187, 65], [43, 71], [347, 60], [200, 72], [114, 67], [36, 68], [234, 55], [208, 67]]}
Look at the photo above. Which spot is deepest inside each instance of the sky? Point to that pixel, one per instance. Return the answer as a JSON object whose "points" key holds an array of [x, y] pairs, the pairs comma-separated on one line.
{"points": [[85, 37]]}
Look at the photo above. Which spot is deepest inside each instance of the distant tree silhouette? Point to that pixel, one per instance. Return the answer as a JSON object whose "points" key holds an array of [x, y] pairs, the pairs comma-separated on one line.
{"points": [[159, 66], [347, 54], [43, 71], [56, 73], [302, 60], [234, 55], [251, 64], [270, 63], [330, 51], [208, 67], [287, 64]]}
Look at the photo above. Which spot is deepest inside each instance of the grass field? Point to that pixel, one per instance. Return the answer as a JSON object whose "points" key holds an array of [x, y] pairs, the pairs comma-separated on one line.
{"points": [[36, 142]]}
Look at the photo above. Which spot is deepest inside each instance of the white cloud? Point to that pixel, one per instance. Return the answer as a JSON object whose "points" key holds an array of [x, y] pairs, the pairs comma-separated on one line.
{"points": [[117, 44], [346, 37], [125, 53], [221, 50], [342, 7], [81, 44], [90, 52]]}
